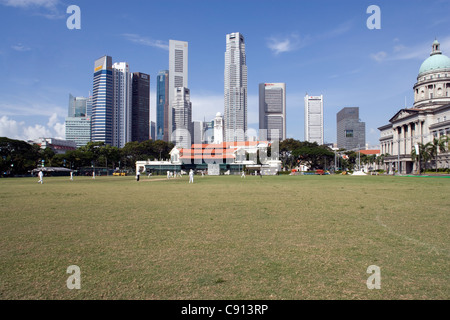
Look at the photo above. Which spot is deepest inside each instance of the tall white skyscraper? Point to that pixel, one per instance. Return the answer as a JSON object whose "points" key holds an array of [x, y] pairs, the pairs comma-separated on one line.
{"points": [[314, 119], [122, 104], [182, 117], [272, 111], [235, 88], [178, 72]]}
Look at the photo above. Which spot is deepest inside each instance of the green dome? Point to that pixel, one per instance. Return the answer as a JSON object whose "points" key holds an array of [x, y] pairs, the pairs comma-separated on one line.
{"points": [[434, 63]]}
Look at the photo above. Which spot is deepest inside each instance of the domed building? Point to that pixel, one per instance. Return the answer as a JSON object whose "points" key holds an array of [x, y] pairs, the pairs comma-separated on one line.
{"points": [[433, 81], [429, 117]]}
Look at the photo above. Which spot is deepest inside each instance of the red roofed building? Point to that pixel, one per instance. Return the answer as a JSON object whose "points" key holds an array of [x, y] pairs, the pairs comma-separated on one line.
{"points": [[371, 165], [229, 157], [370, 152]]}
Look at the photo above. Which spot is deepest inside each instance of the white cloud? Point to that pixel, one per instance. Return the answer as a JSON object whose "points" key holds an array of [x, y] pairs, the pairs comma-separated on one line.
{"points": [[10, 128], [58, 128], [36, 131], [399, 48], [279, 46], [146, 41], [19, 130], [27, 107], [50, 8], [20, 47], [378, 57], [284, 44], [30, 3], [292, 42], [404, 52], [52, 120]]}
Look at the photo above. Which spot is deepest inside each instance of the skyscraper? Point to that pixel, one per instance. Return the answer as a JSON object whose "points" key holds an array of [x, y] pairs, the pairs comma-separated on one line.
{"points": [[140, 102], [78, 130], [178, 72], [182, 118], [162, 109], [235, 88], [77, 106], [314, 119], [351, 132], [103, 101], [122, 104], [272, 111], [152, 130], [198, 131], [78, 124], [89, 106]]}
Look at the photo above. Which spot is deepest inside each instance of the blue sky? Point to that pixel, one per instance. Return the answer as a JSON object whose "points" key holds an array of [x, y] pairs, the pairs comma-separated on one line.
{"points": [[315, 47]]}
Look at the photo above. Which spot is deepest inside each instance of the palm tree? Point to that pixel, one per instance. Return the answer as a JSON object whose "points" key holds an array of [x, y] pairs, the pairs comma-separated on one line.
{"points": [[437, 146], [380, 160], [423, 155], [372, 160]]}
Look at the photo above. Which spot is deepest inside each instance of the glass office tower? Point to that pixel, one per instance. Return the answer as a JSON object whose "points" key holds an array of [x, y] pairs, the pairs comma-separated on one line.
{"points": [[102, 101], [162, 106]]}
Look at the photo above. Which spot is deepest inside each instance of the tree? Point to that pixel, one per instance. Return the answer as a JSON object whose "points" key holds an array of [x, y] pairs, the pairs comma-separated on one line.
{"points": [[161, 149], [371, 159], [423, 156], [380, 159], [349, 161], [130, 153], [108, 153], [313, 155], [17, 157], [286, 148], [48, 155], [91, 152], [438, 145]]}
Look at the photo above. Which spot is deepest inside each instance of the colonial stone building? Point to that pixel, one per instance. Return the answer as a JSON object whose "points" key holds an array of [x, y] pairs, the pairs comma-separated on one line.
{"points": [[429, 117]]}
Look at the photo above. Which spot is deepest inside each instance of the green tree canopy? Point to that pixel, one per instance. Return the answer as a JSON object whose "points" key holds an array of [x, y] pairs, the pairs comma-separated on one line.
{"points": [[18, 157]]}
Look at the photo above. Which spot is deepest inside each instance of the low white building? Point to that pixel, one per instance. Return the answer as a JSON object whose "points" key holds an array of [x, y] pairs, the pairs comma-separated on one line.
{"points": [[229, 156], [59, 146]]}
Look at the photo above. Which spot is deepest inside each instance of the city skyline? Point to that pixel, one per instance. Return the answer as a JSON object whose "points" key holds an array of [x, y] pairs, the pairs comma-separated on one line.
{"points": [[372, 69]]}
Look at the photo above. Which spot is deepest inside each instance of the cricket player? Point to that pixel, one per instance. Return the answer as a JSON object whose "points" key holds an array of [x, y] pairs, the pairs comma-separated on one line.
{"points": [[41, 177], [191, 176]]}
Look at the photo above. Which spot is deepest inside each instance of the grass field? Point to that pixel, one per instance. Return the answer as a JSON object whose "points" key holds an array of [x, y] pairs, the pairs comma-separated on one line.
{"points": [[285, 237]]}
